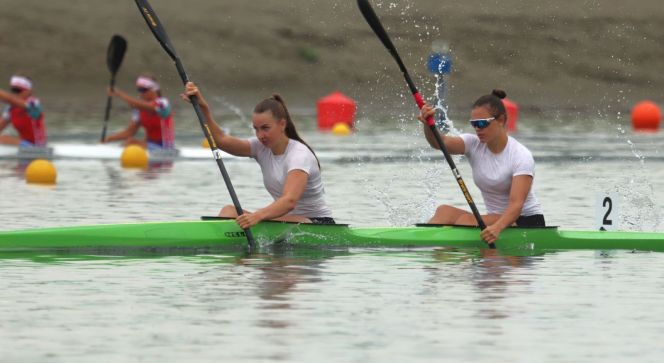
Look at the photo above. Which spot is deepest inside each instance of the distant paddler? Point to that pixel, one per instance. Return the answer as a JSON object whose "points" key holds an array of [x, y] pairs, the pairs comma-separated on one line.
{"points": [[24, 112], [152, 111], [291, 170], [503, 170]]}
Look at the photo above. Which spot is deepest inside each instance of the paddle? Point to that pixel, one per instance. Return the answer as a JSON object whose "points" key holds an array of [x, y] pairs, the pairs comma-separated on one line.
{"points": [[114, 55], [374, 23], [160, 33]]}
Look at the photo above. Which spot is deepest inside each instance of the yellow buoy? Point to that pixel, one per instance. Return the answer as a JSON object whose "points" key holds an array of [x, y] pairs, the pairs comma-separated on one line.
{"points": [[205, 144], [134, 156], [341, 129], [40, 171]]}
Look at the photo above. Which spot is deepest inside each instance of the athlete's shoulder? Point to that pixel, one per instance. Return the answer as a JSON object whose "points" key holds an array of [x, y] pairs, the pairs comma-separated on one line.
{"points": [[33, 101], [162, 107], [299, 147], [162, 102], [517, 146], [470, 142]]}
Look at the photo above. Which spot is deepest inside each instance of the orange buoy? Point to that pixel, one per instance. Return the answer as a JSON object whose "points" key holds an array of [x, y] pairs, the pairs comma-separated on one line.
{"points": [[512, 110], [646, 117], [335, 108]]}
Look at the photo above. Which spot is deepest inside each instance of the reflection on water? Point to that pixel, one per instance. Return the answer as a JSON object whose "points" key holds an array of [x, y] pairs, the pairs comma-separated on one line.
{"points": [[301, 305], [491, 273]]}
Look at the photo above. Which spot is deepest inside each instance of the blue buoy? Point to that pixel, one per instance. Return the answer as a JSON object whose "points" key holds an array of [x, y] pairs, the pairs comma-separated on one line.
{"points": [[439, 63]]}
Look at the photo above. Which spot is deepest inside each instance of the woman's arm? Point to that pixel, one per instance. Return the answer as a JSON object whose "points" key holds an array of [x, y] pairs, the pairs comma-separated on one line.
{"points": [[3, 124], [296, 181], [132, 101], [130, 131], [227, 143], [521, 185], [453, 144], [12, 99]]}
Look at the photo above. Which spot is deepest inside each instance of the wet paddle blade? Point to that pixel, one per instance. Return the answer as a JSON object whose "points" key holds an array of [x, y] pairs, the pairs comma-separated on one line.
{"points": [[375, 24]]}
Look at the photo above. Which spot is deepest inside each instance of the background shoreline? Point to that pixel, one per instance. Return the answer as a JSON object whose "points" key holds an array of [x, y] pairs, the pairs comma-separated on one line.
{"points": [[571, 58]]}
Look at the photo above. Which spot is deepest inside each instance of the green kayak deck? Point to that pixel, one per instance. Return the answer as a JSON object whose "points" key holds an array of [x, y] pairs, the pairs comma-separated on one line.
{"points": [[226, 234]]}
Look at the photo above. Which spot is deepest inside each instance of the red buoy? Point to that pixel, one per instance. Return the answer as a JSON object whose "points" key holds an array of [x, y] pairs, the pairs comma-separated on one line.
{"points": [[335, 108], [646, 116], [512, 114]]}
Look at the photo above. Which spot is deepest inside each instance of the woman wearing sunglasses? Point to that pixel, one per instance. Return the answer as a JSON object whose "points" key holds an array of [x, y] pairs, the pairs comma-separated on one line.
{"points": [[24, 112], [152, 111], [503, 170]]}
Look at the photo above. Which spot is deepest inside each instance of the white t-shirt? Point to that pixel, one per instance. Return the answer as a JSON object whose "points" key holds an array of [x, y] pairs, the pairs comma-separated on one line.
{"points": [[275, 168], [493, 173]]}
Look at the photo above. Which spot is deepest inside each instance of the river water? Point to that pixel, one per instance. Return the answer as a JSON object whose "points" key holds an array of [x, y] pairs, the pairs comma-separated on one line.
{"points": [[351, 305]]}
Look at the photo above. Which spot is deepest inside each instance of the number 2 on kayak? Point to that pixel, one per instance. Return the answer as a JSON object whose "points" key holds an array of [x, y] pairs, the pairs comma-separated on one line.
{"points": [[607, 211]]}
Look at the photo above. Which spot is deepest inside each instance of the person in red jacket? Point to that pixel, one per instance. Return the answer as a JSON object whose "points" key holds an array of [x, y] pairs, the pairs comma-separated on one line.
{"points": [[24, 112], [151, 111]]}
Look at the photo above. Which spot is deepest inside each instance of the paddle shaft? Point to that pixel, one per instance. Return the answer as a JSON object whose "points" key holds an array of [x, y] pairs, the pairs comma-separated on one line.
{"points": [[377, 27], [213, 145], [160, 33], [107, 114], [448, 158]]}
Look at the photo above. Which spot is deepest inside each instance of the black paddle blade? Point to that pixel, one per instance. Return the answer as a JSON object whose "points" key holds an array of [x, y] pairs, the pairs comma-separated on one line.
{"points": [[157, 29], [115, 54], [375, 24], [371, 17]]}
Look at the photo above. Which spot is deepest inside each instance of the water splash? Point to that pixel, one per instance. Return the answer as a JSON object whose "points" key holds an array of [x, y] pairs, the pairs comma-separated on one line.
{"points": [[237, 111], [442, 121], [639, 210]]}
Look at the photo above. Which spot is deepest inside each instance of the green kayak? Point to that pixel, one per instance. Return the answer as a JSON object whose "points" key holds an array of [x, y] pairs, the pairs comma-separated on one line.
{"points": [[219, 233]]}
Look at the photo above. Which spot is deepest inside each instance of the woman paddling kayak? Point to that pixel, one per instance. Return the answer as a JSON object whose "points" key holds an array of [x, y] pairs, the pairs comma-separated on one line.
{"points": [[503, 170], [152, 111], [24, 113], [291, 171]]}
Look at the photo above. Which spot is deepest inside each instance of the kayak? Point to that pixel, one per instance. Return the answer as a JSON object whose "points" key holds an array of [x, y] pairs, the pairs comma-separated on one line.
{"points": [[223, 233], [99, 151], [34, 152], [71, 151]]}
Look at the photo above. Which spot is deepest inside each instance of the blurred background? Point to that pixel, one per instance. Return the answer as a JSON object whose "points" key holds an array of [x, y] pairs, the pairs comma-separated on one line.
{"points": [[567, 58]]}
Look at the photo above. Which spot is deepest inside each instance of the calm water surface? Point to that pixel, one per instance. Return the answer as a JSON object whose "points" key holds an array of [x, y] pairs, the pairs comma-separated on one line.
{"points": [[352, 305]]}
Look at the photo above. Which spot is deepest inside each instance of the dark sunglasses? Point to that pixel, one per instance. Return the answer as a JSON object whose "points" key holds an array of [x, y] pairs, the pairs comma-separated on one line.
{"points": [[16, 90], [142, 89], [481, 123]]}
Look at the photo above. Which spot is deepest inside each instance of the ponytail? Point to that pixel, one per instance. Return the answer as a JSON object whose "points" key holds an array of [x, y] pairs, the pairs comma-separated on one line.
{"points": [[277, 106]]}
